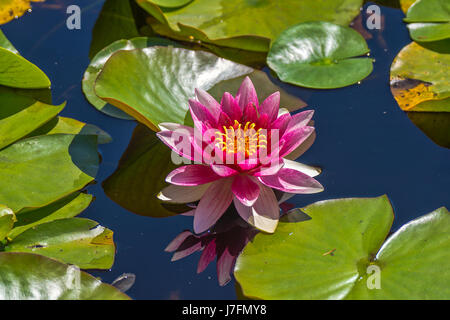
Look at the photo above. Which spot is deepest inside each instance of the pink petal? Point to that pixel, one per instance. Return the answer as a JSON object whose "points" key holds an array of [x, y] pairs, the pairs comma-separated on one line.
{"points": [[224, 265], [292, 181], [203, 119], [192, 175], [223, 170], [212, 206], [250, 113], [270, 106], [245, 189], [231, 107], [301, 149], [264, 214], [208, 255], [183, 194], [268, 170], [209, 102], [179, 239], [281, 123], [180, 140], [247, 94], [294, 138], [300, 120]]}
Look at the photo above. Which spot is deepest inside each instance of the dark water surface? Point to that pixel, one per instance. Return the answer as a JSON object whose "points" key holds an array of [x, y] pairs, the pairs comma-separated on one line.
{"points": [[366, 147]]}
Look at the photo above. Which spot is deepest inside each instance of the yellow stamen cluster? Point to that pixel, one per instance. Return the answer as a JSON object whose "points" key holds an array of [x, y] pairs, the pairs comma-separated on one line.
{"points": [[241, 139]]}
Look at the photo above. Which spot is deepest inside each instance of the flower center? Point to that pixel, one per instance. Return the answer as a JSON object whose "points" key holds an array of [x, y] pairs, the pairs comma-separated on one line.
{"points": [[240, 138]]}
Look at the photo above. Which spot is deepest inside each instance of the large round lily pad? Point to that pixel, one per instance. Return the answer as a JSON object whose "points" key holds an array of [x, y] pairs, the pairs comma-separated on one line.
{"points": [[37, 171], [154, 84], [99, 61], [339, 254], [12, 9], [7, 218], [250, 24], [26, 276], [320, 55], [429, 20]]}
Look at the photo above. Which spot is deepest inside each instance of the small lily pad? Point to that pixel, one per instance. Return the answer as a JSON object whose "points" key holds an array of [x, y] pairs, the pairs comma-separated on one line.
{"points": [[320, 55]]}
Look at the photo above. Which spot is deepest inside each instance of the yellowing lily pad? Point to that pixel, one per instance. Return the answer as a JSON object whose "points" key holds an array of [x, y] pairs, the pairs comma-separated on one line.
{"points": [[420, 79], [11, 9]]}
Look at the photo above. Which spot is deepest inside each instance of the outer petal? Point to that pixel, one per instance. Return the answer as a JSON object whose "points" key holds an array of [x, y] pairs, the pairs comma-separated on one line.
{"points": [[309, 170], [245, 189], [264, 214], [268, 170], [180, 140], [293, 139], [270, 106], [203, 119], [209, 102], [300, 120], [247, 94], [281, 124], [223, 170], [183, 194], [213, 204], [192, 175], [292, 181], [176, 243], [301, 149]]}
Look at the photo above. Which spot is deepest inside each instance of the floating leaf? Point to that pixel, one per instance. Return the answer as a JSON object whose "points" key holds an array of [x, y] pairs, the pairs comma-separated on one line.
{"points": [[26, 276], [37, 171], [141, 175], [115, 22], [320, 55], [405, 4], [99, 61], [72, 126], [436, 125], [170, 3], [429, 20], [4, 43], [7, 219], [411, 262], [154, 84], [78, 241], [335, 254], [11, 9], [67, 207], [420, 79], [21, 114], [17, 72], [249, 25], [319, 258]]}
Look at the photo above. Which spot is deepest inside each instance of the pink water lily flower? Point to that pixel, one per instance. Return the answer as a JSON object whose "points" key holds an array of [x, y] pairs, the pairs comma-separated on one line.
{"points": [[240, 149]]}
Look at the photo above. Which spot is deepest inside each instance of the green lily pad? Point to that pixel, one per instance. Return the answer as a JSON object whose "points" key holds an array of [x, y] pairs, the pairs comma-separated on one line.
{"points": [[170, 3], [77, 241], [115, 22], [420, 78], [17, 72], [99, 61], [411, 262], [71, 126], [406, 4], [318, 258], [37, 171], [339, 254], [21, 114], [7, 218], [25, 276], [5, 43], [222, 22], [429, 20], [154, 84], [67, 207], [320, 55], [141, 175]]}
